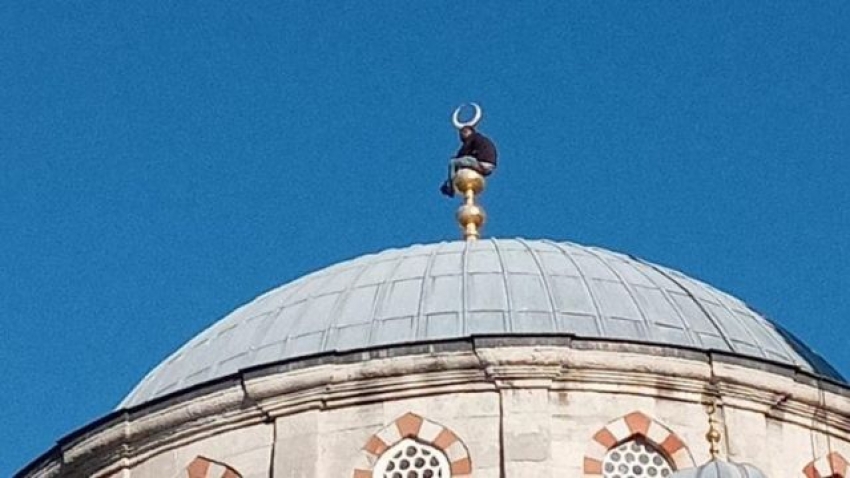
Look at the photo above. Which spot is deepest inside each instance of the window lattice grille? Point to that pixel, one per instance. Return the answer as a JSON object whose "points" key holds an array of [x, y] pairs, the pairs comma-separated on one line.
{"points": [[412, 459], [635, 459]]}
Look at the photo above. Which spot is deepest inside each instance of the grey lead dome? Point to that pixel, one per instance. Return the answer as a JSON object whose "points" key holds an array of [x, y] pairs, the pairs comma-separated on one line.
{"points": [[720, 469], [458, 289]]}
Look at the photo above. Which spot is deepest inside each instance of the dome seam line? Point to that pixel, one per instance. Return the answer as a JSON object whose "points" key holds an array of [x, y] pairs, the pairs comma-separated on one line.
{"points": [[723, 332], [598, 318], [553, 310], [340, 303], [629, 291], [380, 294], [693, 335], [426, 274], [744, 326], [508, 320]]}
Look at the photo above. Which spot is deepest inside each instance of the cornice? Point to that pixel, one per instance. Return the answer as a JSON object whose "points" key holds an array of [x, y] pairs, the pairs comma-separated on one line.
{"points": [[256, 396]]}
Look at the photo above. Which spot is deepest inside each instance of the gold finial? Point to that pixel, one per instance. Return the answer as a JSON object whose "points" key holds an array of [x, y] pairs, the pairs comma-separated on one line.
{"points": [[470, 215], [713, 434]]}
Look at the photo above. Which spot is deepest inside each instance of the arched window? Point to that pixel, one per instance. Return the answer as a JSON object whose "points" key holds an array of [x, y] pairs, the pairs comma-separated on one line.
{"points": [[833, 465], [635, 458], [412, 459], [202, 467], [635, 446], [414, 447]]}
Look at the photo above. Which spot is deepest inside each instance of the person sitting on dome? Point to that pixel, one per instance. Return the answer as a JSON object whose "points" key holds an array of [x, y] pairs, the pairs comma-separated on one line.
{"points": [[477, 152]]}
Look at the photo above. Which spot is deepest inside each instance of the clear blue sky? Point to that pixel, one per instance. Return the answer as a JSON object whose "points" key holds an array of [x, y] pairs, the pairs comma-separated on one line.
{"points": [[165, 162]]}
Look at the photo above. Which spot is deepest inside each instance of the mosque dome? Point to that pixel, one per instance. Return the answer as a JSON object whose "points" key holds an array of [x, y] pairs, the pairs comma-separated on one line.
{"points": [[454, 290], [720, 469]]}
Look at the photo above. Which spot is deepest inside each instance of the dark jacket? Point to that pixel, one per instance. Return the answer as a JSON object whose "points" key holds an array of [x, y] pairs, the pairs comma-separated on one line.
{"points": [[479, 147]]}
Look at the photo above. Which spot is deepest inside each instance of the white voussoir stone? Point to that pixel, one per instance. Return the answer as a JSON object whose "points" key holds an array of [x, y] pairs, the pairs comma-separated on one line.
{"points": [[429, 431]]}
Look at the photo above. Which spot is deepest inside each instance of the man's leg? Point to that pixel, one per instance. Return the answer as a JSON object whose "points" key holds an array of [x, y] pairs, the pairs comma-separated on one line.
{"points": [[465, 162], [447, 188], [454, 164], [486, 168]]}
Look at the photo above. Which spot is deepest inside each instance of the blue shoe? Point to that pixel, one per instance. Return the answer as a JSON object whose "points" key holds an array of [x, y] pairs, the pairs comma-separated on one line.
{"points": [[447, 189]]}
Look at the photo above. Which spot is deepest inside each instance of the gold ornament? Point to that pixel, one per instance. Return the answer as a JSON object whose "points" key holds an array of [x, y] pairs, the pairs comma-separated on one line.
{"points": [[713, 434], [470, 215]]}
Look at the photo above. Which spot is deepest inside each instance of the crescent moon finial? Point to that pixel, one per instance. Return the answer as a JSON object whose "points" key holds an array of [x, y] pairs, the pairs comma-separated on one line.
{"points": [[455, 119], [476, 118]]}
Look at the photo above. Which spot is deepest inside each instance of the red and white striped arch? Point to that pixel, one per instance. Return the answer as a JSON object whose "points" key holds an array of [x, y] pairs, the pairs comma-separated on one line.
{"points": [[202, 467], [635, 424], [832, 465], [421, 429]]}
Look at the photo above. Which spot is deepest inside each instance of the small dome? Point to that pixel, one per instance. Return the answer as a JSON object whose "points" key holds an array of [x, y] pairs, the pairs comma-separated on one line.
{"points": [[457, 290], [720, 469]]}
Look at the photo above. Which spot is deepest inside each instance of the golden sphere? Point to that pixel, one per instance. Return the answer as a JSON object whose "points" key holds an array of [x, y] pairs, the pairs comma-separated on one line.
{"points": [[468, 179], [470, 214]]}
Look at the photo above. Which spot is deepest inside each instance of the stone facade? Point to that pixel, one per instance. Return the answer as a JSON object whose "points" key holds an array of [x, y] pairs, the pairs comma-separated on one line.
{"points": [[491, 408]]}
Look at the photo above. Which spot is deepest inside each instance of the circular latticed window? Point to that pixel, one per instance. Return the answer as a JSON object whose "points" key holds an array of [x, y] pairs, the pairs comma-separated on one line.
{"points": [[412, 459], [635, 459]]}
